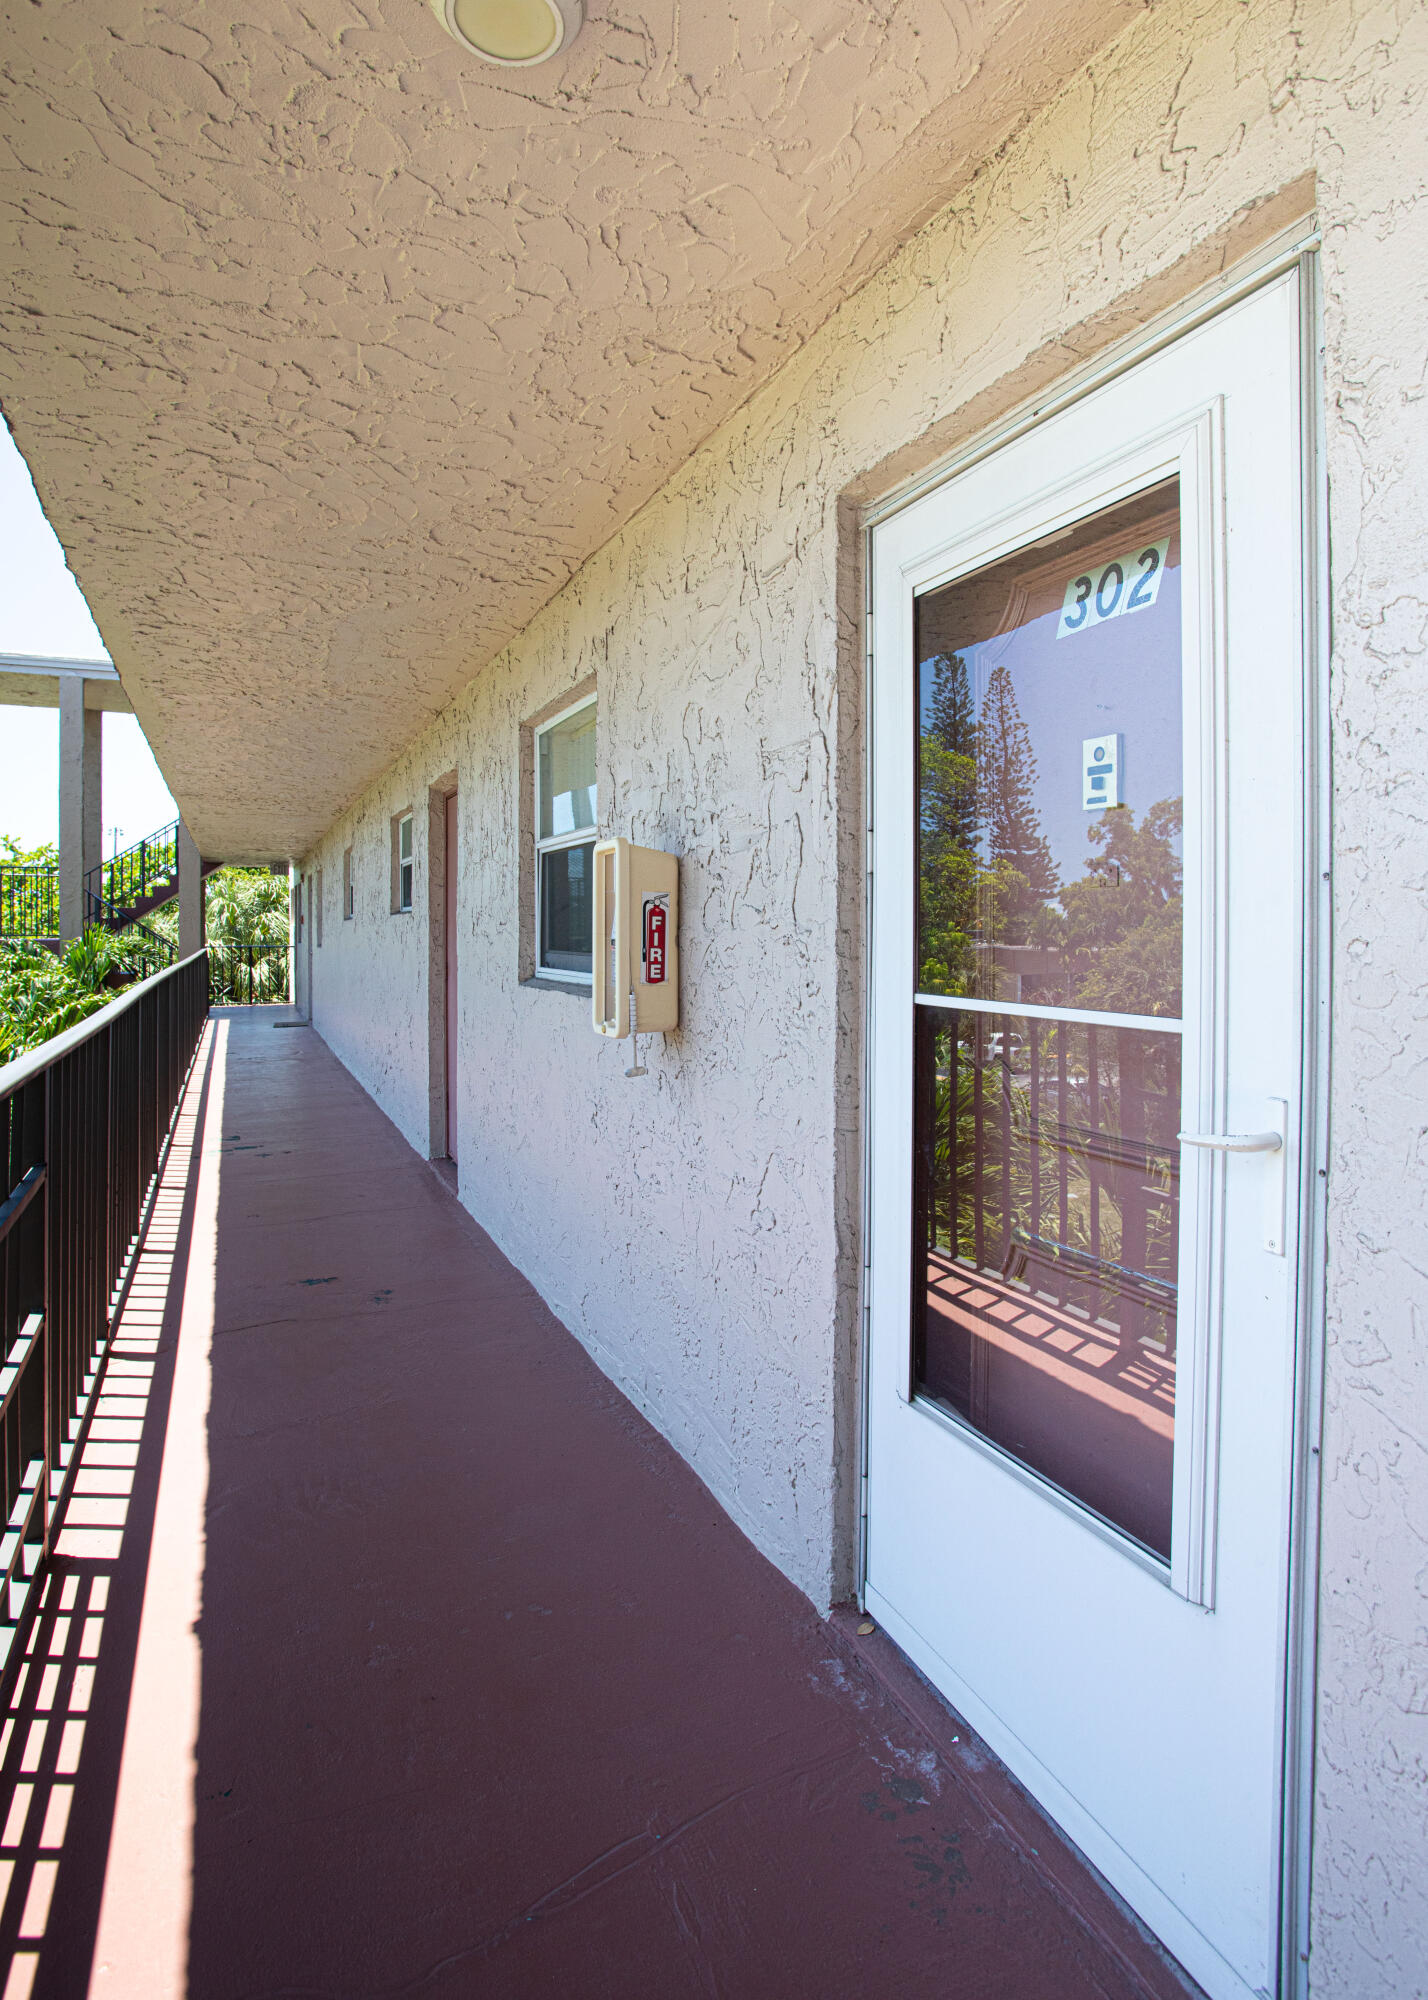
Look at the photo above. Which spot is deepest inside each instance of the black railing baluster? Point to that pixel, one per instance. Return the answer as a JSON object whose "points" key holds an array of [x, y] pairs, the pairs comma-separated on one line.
{"points": [[1093, 1158], [954, 1093], [1134, 1197], [1007, 1186], [1063, 1141]]}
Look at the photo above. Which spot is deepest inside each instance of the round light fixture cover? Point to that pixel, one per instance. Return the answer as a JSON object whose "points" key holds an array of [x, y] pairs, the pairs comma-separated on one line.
{"points": [[513, 33]]}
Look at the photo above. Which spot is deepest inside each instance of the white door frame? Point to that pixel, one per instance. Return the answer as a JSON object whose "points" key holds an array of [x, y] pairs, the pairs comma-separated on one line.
{"points": [[1298, 248]]}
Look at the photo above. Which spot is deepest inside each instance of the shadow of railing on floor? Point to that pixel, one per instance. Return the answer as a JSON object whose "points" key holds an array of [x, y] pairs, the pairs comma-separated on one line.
{"points": [[62, 1737]]}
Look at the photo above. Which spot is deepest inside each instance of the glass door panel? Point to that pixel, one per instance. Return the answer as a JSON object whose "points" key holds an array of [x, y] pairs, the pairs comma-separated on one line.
{"points": [[1049, 770], [1047, 1206], [1046, 1172]]}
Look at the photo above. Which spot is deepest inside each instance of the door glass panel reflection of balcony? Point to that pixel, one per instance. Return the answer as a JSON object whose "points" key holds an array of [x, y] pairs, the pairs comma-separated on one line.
{"points": [[1049, 876], [1047, 1205]]}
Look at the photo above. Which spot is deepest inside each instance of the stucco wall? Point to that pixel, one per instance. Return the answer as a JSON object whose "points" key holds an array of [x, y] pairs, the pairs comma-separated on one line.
{"points": [[687, 1226]]}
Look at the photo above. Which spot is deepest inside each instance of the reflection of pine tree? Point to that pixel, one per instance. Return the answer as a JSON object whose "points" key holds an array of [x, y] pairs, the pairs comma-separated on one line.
{"points": [[951, 712], [947, 802], [1021, 883], [1007, 782], [949, 780]]}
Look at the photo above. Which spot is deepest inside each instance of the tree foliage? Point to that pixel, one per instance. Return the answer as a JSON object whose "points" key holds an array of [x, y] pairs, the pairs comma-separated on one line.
{"points": [[12, 855], [244, 909], [1123, 917], [43, 992], [246, 919]]}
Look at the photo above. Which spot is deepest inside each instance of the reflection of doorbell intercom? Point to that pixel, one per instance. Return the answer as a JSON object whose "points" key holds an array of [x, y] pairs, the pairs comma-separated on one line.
{"points": [[1100, 772], [636, 982]]}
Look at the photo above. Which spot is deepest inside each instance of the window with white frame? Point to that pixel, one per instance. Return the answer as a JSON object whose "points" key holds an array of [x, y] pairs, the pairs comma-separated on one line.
{"points": [[565, 843], [403, 867], [348, 905]]}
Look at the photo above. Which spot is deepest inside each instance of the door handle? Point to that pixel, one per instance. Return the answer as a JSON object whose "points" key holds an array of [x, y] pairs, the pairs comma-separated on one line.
{"points": [[1257, 1142], [1234, 1142]]}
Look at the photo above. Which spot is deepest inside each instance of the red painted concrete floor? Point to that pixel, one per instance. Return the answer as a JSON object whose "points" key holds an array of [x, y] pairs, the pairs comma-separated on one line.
{"points": [[451, 1678]]}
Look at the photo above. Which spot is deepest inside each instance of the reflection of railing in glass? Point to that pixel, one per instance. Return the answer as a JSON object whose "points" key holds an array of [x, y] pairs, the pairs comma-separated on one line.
{"points": [[1048, 1193]]}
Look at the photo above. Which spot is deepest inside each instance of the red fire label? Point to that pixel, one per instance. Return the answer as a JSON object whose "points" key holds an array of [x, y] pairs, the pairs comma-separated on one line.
{"points": [[656, 921]]}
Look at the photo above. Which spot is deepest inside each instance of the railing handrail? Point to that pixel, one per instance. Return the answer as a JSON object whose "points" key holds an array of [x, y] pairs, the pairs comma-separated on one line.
{"points": [[13, 1074]]}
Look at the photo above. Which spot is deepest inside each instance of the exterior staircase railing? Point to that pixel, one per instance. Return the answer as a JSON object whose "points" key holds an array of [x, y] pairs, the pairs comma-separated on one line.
{"points": [[149, 950], [131, 884]]}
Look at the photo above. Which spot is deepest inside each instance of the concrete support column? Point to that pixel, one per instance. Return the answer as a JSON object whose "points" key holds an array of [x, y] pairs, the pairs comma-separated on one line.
{"points": [[193, 925], [80, 779]]}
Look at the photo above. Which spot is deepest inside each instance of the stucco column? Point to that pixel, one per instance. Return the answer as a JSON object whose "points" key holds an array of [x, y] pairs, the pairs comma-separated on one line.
{"points": [[80, 778], [193, 926]]}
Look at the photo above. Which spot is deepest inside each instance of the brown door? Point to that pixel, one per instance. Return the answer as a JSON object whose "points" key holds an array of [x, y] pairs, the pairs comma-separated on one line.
{"points": [[450, 933]]}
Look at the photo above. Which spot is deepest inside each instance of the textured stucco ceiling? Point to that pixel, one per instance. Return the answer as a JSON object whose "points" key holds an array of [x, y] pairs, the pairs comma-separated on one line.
{"points": [[335, 352]]}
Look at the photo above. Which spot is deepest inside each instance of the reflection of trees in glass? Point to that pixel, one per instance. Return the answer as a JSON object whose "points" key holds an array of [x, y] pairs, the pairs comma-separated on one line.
{"points": [[987, 875], [1023, 879], [988, 878], [948, 804], [1123, 918]]}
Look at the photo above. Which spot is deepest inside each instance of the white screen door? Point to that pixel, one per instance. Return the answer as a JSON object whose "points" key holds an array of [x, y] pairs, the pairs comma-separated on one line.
{"points": [[1087, 885]]}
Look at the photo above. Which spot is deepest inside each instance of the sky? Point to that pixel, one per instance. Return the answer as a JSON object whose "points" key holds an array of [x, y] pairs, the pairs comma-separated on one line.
{"points": [[42, 610]]}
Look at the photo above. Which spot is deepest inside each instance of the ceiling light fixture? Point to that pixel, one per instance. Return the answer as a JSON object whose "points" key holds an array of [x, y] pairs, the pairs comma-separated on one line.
{"points": [[514, 33]]}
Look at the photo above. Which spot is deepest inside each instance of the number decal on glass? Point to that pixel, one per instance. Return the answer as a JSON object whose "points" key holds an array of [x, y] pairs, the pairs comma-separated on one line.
{"points": [[1071, 618], [1143, 591], [1095, 597], [1103, 609]]}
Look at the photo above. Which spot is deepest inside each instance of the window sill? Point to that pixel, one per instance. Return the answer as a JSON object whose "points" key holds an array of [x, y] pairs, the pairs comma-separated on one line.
{"points": [[543, 985]]}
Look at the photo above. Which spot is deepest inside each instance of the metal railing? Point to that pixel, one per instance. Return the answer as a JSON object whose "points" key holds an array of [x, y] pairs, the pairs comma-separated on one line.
{"points": [[149, 950], [29, 902], [85, 1121], [249, 975], [128, 880]]}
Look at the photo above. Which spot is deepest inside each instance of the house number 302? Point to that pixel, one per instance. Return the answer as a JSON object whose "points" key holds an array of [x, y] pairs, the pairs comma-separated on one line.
{"points": [[1127, 583]]}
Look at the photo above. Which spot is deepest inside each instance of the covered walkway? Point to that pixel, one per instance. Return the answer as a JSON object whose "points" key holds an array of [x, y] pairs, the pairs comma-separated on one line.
{"points": [[390, 1652]]}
